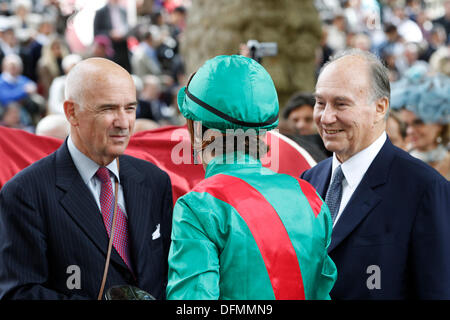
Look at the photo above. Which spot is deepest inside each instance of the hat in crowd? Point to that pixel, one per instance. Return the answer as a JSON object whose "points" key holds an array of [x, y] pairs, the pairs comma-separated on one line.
{"points": [[427, 96], [297, 100], [231, 92], [104, 41]]}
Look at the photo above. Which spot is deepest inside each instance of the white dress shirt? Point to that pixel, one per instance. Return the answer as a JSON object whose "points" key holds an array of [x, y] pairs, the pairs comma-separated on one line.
{"points": [[87, 169], [354, 170]]}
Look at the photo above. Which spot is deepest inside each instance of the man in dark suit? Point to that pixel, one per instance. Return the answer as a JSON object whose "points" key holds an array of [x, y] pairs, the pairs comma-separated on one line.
{"points": [[111, 20], [55, 216], [391, 212]]}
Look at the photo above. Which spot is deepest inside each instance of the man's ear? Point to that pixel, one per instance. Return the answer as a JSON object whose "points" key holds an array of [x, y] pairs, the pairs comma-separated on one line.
{"points": [[382, 107], [71, 114]]}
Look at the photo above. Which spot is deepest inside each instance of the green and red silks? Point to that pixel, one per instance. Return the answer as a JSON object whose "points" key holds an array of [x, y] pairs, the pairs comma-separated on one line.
{"points": [[248, 233]]}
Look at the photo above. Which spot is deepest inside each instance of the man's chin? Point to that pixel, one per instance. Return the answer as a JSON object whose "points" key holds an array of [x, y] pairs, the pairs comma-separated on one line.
{"points": [[116, 151], [332, 146]]}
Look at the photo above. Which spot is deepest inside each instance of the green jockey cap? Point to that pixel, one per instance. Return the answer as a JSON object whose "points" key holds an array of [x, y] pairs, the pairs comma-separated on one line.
{"points": [[231, 92]]}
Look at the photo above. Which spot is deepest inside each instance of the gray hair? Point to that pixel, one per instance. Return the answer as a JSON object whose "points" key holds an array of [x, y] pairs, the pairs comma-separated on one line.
{"points": [[378, 72], [12, 58]]}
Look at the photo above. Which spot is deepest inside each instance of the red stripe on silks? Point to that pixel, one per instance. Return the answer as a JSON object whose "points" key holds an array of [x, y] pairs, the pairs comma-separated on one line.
{"points": [[267, 229], [311, 195]]}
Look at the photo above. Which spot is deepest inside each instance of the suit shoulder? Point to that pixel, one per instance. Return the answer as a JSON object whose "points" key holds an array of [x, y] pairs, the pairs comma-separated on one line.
{"points": [[319, 167], [147, 168], [415, 169]]}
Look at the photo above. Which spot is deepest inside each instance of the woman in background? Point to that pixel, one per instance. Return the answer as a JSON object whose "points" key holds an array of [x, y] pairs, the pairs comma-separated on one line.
{"points": [[423, 102], [50, 64]]}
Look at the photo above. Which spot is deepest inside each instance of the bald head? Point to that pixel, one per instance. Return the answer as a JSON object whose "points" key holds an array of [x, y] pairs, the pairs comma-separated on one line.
{"points": [[376, 71], [86, 76], [100, 106]]}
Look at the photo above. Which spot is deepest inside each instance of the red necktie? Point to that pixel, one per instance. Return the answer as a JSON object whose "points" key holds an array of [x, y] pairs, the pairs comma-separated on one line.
{"points": [[120, 241]]}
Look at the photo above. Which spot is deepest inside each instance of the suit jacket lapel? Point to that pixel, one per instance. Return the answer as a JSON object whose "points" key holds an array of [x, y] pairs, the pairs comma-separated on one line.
{"points": [[364, 199], [138, 201], [80, 204]]}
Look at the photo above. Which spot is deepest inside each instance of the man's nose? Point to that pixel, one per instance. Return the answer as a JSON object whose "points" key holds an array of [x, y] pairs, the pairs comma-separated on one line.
{"points": [[121, 119], [328, 115]]}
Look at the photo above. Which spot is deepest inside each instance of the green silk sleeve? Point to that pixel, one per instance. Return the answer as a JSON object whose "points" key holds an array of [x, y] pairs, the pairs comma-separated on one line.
{"points": [[193, 259]]}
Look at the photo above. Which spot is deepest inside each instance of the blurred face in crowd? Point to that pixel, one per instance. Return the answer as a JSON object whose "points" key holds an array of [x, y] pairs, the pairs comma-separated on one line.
{"points": [[152, 88], [56, 49], [411, 53], [394, 132], [9, 37], [420, 135], [46, 28], [12, 65], [11, 117], [347, 118], [103, 110], [301, 120], [340, 22]]}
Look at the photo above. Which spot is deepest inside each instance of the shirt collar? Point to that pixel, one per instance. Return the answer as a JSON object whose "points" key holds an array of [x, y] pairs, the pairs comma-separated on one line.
{"points": [[356, 166], [86, 166]]}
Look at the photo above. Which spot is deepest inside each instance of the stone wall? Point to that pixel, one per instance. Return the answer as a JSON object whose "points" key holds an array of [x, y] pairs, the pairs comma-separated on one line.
{"points": [[217, 27]]}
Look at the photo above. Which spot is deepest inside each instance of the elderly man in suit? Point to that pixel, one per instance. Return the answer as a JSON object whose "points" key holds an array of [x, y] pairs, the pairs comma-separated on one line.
{"points": [[55, 216], [391, 212]]}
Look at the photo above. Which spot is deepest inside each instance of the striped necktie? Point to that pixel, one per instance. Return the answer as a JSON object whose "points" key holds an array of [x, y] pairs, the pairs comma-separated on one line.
{"points": [[334, 193], [120, 241]]}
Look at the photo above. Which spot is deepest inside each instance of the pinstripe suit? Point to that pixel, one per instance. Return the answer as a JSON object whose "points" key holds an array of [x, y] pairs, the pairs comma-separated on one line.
{"points": [[49, 221]]}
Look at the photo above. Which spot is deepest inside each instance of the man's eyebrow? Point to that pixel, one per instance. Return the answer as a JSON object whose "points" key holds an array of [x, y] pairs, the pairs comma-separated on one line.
{"points": [[318, 96], [113, 105], [342, 98]]}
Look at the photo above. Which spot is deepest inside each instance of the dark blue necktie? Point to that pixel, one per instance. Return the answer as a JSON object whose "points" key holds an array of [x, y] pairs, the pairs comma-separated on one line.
{"points": [[334, 193]]}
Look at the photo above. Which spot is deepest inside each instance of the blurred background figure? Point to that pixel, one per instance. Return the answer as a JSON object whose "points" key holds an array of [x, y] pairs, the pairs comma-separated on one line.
{"points": [[444, 20], [151, 105], [428, 141], [437, 39], [337, 33], [111, 20], [8, 41], [101, 47], [396, 130], [423, 101], [144, 59], [13, 116], [53, 125], [299, 114], [298, 124], [15, 87], [49, 65], [33, 49], [56, 92]]}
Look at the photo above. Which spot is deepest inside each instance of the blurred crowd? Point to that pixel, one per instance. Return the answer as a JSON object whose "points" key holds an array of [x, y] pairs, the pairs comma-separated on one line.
{"points": [[38, 46]]}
